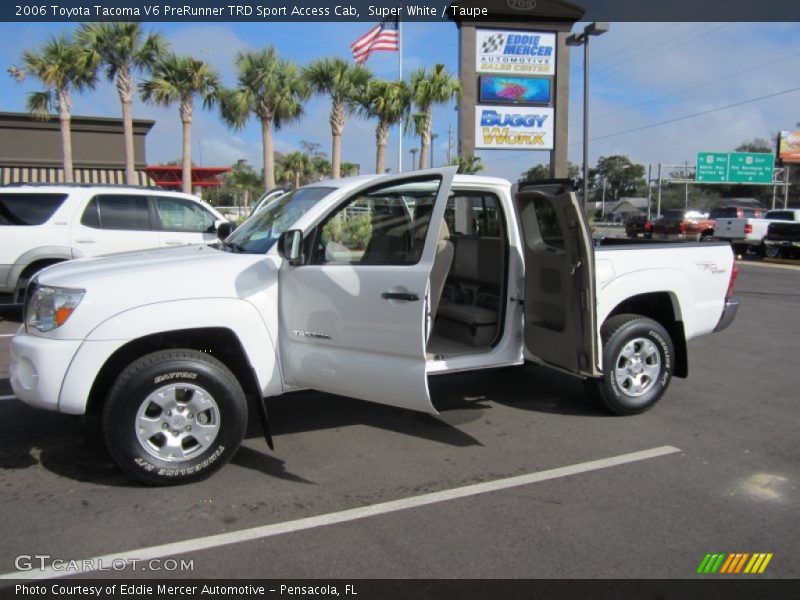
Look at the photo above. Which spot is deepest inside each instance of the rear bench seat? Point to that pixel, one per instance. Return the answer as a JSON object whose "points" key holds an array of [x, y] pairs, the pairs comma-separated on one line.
{"points": [[469, 310]]}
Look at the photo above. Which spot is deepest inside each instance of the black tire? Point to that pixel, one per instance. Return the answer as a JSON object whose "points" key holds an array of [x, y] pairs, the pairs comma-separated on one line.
{"points": [[650, 340], [772, 251], [186, 381], [707, 237]]}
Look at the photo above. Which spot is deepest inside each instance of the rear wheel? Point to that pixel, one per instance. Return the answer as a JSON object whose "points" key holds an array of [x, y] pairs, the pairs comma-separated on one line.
{"points": [[174, 416], [772, 251], [637, 364]]}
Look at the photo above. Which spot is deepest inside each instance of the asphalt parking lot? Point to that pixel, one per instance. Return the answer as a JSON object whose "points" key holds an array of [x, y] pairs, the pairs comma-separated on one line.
{"points": [[717, 471]]}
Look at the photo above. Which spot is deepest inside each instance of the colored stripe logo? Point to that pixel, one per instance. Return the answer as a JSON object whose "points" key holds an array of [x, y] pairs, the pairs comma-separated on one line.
{"points": [[732, 563]]}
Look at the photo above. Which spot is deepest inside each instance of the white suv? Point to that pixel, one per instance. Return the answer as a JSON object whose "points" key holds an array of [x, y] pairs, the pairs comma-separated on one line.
{"points": [[44, 224]]}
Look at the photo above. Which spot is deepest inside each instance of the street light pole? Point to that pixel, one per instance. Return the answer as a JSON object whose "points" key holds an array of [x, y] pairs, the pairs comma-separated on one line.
{"points": [[433, 137], [578, 39]]}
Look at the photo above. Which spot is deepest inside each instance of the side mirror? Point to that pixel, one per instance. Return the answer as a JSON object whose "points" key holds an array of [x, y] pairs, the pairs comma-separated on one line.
{"points": [[290, 246], [225, 228]]}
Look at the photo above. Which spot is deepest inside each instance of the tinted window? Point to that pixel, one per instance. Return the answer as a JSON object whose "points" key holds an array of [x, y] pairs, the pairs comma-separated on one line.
{"points": [[674, 215], [28, 209], [473, 214], [177, 214], [780, 215], [385, 226], [723, 213], [547, 218], [117, 211]]}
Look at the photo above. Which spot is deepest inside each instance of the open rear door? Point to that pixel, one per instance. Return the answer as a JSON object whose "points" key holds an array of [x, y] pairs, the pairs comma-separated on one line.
{"points": [[560, 317]]}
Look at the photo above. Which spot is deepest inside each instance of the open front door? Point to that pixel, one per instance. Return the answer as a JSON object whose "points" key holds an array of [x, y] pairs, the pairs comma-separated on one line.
{"points": [[353, 315], [559, 278]]}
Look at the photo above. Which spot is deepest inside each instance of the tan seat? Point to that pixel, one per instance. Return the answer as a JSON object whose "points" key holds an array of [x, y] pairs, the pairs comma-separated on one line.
{"points": [[441, 267]]}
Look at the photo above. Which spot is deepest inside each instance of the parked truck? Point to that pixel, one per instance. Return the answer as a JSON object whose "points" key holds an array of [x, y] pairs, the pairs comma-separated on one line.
{"points": [[749, 234], [362, 287], [782, 240]]}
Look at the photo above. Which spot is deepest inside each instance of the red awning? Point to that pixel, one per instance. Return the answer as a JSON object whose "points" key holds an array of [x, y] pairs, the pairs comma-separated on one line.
{"points": [[170, 176]]}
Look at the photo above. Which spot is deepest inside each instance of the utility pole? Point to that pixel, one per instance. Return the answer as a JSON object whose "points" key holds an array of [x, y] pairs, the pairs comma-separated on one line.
{"points": [[449, 143], [658, 206], [413, 152], [649, 188], [686, 185], [603, 202], [786, 189]]}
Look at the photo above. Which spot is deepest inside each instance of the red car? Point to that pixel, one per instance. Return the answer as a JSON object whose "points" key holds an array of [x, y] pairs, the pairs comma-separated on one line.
{"points": [[685, 225]]}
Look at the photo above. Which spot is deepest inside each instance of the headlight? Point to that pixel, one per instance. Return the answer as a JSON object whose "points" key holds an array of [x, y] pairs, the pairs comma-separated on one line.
{"points": [[50, 307]]}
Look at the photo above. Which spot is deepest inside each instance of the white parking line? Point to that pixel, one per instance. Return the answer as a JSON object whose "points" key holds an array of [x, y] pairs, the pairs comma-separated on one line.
{"points": [[266, 531], [12, 397], [7, 334]]}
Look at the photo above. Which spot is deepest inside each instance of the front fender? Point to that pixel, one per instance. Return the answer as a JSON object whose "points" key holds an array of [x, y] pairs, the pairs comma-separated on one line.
{"points": [[238, 316]]}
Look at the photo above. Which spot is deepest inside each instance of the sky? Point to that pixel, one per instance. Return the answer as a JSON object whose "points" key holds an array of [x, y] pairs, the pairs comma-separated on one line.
{"points": [[641, 74]]}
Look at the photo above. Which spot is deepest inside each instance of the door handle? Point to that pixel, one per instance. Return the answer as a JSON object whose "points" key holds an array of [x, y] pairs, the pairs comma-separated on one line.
{"points": [[407, 296], [85, 240]]}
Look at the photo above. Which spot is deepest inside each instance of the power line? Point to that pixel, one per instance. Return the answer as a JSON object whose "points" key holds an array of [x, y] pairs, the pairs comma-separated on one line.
{"points": [[744, 9], [665, 122], [620, 66], [648, 37], [697, 114], [694, 87]]}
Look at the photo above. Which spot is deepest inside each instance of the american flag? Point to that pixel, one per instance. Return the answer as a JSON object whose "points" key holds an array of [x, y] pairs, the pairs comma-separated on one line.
{"points": [[380, 37]]}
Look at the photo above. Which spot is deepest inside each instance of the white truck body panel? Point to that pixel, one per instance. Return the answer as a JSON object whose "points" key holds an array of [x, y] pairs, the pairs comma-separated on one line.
{"points": [[378, 354]]}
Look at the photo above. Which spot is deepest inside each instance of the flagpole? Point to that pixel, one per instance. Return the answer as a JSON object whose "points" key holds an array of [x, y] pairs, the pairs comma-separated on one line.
{"points": [[400, 125]]}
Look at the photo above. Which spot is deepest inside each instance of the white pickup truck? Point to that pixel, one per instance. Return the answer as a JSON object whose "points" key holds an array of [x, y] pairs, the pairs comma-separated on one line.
{"points": [[362, 287], [744, 234]]}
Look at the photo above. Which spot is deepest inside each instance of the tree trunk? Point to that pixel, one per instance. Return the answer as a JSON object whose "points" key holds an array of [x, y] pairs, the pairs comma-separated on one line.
{"points": [[337, 127], [269, 153], [125, 91], [381, 139], [186, 110], [425, 139], [296, 179], [65, 118]]}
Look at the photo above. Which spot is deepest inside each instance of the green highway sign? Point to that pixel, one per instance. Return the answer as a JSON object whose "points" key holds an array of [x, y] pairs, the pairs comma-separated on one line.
{"points": [[712, 167], [734, 167], [749, 167]]}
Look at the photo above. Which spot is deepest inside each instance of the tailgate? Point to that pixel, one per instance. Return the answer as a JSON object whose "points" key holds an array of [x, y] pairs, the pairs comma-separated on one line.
{"points": [[730, 228]]}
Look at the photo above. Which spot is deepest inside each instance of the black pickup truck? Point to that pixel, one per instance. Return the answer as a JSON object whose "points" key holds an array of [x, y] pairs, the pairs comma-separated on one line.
{"points": [[782, 240]]}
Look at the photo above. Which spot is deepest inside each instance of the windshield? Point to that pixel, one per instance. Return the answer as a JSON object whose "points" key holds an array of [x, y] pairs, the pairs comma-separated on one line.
{"points": [[261, 231]]}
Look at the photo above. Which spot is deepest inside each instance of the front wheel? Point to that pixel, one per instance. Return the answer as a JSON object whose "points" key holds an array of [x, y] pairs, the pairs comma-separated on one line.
{"points": [[638, 361], [174, 416]]}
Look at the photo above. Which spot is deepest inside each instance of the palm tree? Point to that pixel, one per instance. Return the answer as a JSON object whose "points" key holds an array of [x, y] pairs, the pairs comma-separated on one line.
{"points": [[179, 79], [62, 67], [298, 164], [345, 84], [349, 169], [436, 86], [123, 49], [272, 89], [468, 165], [389, 102]]}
